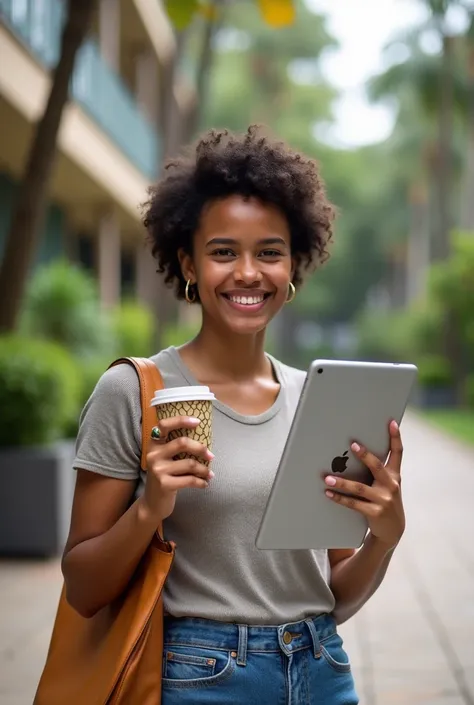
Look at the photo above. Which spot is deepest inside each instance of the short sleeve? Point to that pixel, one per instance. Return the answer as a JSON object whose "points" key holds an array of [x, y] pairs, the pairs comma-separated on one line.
{"points": [[109, 436]]}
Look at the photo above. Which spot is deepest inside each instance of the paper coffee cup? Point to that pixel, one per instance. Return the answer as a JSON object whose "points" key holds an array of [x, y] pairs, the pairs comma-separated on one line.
{"points": [[187, 401]]}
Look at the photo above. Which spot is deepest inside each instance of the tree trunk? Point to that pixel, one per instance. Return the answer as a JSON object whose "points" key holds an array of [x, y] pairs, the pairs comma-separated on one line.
{"points": [[28, 215], [172, 125], [441, 245], [418, 243], [203, 74], [170, 117], [468, 219]]}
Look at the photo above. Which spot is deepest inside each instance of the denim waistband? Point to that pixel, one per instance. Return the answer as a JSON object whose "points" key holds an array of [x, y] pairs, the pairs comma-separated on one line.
{"points": [[243, 638]]}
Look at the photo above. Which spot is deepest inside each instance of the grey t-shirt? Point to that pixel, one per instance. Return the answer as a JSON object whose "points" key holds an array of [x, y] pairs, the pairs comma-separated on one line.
{"points": [[218, 573]]}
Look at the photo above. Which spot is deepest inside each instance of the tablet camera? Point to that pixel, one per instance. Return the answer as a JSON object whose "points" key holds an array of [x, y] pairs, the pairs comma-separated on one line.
{"points": [[320, 371]]}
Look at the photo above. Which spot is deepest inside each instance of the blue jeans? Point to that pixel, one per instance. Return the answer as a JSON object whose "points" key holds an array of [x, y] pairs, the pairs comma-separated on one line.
{"points": [[217, 663]]}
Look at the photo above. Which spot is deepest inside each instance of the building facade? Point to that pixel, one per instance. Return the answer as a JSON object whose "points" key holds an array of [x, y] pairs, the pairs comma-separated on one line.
{"points": [[110, 143]]}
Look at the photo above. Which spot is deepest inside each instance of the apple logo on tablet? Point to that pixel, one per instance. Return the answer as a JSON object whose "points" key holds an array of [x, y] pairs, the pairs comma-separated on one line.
{"points": [[339, 464]]}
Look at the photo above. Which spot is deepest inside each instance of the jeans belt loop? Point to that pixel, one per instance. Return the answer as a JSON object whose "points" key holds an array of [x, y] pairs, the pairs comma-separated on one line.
{"points": [[315, 637], [242, 649]]}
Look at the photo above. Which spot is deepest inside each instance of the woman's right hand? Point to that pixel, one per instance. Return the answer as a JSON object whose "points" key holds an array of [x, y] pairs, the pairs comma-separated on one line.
{"points": [[165, 476]]}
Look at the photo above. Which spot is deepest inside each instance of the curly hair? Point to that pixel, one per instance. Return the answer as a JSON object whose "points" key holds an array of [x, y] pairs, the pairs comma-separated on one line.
{"points": [[253, 165]]}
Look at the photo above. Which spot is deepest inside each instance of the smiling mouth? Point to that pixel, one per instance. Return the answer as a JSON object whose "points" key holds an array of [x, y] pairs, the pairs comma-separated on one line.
{"points": [[249, 300]]}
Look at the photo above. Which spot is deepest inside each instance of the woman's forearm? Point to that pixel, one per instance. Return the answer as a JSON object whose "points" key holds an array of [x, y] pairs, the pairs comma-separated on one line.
{"points": [[355, 579], [98, 570]]}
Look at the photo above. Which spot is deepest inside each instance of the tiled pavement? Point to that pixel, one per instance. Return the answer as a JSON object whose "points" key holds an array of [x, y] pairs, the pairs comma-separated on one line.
{"points": [[413, 644]]}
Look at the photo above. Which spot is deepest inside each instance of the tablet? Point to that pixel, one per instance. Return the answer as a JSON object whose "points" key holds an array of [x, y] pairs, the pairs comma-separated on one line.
{"points": [[341, 402]]}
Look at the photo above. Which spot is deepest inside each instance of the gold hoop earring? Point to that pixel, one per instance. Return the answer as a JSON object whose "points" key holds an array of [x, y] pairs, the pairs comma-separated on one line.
{"points": [[189, 299], [292, 293]]}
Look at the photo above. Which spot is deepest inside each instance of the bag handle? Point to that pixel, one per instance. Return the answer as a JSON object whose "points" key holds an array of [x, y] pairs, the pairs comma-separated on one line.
{"points": [[150, 380]]}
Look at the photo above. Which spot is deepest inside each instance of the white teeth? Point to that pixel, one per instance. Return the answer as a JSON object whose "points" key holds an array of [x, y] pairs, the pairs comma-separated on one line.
{"points": [[247, 300]]}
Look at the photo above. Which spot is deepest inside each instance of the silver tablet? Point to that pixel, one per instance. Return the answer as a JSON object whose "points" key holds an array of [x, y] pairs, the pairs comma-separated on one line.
{"points": [[341, 402]]}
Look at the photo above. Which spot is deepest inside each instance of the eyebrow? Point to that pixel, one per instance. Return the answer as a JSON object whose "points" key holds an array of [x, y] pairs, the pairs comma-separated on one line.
{"points": [[230, 241]]}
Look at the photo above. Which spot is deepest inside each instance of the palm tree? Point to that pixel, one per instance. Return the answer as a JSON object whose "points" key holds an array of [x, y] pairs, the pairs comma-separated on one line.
{"points": [[29, 211], [437, 85]]}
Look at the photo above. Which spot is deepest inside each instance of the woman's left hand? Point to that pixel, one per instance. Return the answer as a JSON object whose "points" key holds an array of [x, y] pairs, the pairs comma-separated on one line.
{"points": [[381, 503]]}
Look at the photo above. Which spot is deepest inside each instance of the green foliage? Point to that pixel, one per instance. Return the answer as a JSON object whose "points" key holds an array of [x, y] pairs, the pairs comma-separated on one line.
{"points": [[401, 336], [133, 331], [39, 391], [384, 336], [451, 292], [179, 334], [418, 335], [469, 391], [133, 328], [434, 371], [274, 73], [452, 281], [458, 422], [62, 305], [181, 12]]}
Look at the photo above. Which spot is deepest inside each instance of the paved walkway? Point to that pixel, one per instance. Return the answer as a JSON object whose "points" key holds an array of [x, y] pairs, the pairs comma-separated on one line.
{"points": [[413, 644]]}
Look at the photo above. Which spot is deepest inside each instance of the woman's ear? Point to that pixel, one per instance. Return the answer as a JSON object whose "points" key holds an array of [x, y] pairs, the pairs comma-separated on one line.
{"points": [[186, 264]]}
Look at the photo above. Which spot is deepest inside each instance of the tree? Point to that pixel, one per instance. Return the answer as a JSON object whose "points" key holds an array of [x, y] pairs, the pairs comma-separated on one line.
{"points": [[468, 206], [263, 75], [280, 13], [268, 76], [438, 85], [29, 210], [430, 90]]}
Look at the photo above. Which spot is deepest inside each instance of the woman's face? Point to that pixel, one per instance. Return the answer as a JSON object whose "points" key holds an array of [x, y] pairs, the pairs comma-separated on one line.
{"points": [[241, 263]]}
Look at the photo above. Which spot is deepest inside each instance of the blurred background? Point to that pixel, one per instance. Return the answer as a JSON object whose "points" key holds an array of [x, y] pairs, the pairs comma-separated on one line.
{"points": [[94, 95]]}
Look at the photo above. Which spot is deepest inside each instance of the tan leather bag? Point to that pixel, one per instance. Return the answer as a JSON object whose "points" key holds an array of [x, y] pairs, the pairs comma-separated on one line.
{"points": [[115, 657]]}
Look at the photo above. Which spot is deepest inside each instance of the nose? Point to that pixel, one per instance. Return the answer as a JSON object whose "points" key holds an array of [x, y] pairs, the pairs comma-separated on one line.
{"points": [[247, 270]]}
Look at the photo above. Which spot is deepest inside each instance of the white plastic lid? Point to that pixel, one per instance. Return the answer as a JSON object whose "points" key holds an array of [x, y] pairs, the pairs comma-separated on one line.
{"points": [[165, 396]]}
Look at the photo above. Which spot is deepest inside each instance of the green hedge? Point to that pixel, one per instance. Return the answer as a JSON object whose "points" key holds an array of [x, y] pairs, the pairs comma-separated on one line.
{"points": [[39, 391], [133, 329], [62, 304]]}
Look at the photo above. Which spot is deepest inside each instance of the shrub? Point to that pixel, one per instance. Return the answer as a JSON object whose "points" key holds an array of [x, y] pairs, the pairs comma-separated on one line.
{"points": [[469, 391], [401, 336], [133, 329], [434, 371], [39, 391], [384, 336], [62, 304], [178, 334]]}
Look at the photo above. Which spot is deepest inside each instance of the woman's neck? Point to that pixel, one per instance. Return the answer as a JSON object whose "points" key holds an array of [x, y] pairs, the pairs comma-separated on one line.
{"points": [[213, 356]]}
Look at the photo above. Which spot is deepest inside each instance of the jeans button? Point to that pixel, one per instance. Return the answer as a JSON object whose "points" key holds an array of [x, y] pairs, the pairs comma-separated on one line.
{"points": [[287, 638]]}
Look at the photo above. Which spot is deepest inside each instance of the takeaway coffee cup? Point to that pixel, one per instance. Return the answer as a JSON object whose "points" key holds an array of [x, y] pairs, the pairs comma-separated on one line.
{"points": [[187, 401]]}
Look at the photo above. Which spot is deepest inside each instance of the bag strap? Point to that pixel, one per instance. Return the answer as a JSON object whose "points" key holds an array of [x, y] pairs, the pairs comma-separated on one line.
{"points": [[150, 380]]}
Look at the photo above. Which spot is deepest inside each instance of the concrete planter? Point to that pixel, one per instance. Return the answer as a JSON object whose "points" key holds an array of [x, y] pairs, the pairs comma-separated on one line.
{"points": [[36, 491]]}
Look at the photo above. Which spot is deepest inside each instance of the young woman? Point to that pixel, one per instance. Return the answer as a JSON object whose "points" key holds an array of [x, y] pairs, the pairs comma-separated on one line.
{"points": [[233, 226]]}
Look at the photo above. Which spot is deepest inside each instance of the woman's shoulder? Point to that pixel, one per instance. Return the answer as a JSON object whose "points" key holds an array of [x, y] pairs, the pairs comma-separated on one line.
{"points": [[121, 380]]}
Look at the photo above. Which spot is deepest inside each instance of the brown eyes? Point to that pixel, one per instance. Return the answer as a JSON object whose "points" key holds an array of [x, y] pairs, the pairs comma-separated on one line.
{"points": [[222, 252], [226, 252], [271, 253]]}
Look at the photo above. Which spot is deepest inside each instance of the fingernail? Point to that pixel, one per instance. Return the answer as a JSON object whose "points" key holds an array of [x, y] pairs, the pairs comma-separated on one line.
{"points": [[355, 447], [329, 493], [194, 421], [394, 425], [210, 455], [211, 474], [330, 480]]}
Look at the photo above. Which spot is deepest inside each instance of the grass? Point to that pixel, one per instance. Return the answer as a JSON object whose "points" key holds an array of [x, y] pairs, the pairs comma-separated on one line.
{"points": [[457, 422]]}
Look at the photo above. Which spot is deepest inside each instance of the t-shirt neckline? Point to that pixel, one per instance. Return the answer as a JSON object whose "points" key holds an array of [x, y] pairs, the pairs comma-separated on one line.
{"points": [[224, 408]]}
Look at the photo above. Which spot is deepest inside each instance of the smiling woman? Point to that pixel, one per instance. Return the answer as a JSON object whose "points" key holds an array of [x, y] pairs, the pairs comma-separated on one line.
{"points": [[235, 225], [253, 167]]}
